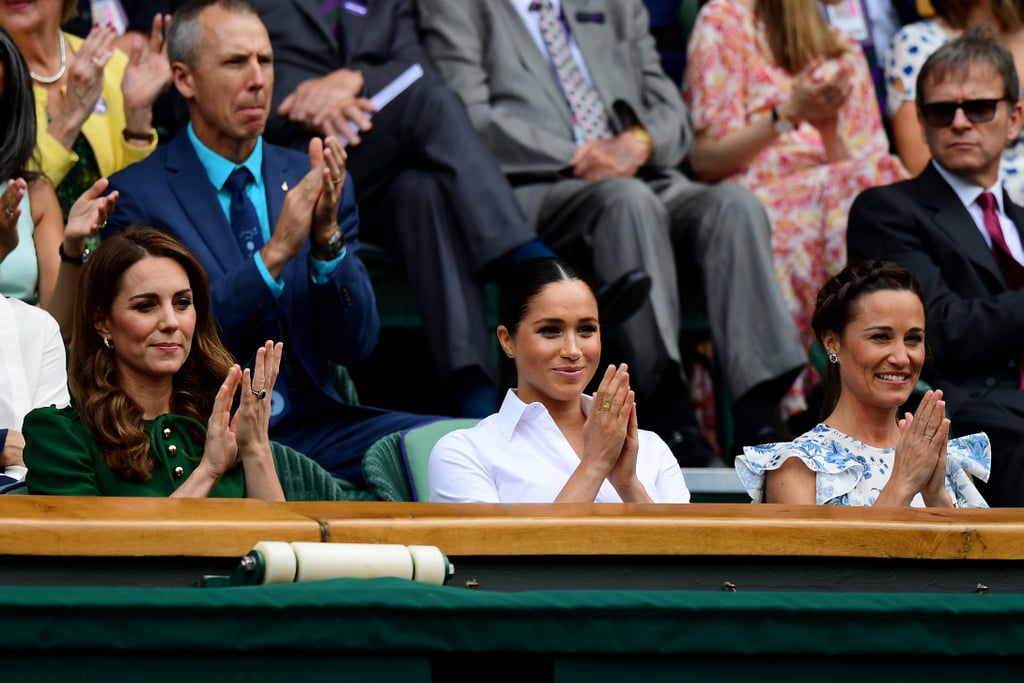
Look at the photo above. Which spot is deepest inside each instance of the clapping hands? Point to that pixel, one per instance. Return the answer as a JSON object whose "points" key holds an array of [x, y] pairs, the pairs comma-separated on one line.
{"points": [[920, 463], [244, 435], [610, 439], [10, 213]]}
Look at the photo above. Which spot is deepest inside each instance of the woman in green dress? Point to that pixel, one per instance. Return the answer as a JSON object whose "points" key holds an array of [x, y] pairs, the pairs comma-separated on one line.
{"points": [[148, 418]]}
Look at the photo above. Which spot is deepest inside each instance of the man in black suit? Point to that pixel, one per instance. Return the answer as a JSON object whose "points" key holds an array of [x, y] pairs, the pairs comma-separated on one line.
{"points": [[956, 229]]}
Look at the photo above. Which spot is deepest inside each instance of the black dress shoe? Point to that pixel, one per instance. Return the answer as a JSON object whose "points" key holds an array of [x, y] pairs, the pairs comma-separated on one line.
{"points": [[617, 301]]}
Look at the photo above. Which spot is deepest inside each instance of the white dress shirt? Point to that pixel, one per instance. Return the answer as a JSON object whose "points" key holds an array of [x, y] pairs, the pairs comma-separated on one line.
{"points": [[33, 365], [518, 455]]}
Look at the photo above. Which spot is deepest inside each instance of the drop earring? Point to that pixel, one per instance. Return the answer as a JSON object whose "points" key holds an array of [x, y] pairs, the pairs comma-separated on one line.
{"points": [[108, 343]]}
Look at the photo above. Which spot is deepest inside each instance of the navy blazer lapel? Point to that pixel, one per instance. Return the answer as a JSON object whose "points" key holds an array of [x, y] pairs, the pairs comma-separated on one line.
{"points": [[275, 181], [952, 218], [197, 198], [532, 59]]}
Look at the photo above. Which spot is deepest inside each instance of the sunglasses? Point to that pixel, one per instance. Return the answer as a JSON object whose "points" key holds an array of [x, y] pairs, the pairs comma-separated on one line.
{"points": [[941, 114]]}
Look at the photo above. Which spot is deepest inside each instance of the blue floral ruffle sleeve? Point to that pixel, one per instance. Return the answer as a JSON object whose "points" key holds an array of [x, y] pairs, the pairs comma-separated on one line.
{"points": [[850, 472]]}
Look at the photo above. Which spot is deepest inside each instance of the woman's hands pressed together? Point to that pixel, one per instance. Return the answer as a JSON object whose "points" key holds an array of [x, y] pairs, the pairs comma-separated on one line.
{"points": [[920, 462], [610, 439]]}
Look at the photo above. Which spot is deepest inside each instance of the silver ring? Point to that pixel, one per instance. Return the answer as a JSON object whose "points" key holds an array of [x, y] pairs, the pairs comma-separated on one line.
{"points": [[97, 61], [9, 212], [260, 394]]}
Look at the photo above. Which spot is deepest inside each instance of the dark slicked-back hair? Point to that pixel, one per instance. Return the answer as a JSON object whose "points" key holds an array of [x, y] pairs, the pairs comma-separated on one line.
{"points": [[113, 418], [978, 45], [517, 292], [17, 114], [837, 305]]}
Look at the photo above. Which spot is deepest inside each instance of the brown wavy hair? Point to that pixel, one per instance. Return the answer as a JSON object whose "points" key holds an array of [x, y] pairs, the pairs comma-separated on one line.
{"points": [[954, 13], [112, 417], [836, 306], [797, 33]]}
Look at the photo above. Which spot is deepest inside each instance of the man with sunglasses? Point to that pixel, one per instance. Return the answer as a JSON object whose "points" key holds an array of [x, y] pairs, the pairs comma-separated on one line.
{"points": [[956, 229]]}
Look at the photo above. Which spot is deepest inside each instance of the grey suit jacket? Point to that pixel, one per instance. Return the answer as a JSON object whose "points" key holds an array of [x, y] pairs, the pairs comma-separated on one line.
{"points": [[484, 51], [975, 323]]}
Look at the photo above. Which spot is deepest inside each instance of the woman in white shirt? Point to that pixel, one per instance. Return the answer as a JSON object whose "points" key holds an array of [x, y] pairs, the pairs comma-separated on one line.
{"points": [[549, 442]]}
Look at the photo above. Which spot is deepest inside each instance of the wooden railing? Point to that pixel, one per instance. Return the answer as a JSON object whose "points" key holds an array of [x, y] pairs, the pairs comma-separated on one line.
{"points": [[143, 527]]}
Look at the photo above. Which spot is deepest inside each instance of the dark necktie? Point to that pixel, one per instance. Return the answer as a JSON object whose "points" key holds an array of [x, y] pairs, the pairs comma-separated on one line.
{"points": [[587, 110], [1013, 272], [244, 221]]}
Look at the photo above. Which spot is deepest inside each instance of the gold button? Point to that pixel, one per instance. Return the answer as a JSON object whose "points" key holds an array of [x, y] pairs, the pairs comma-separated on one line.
{"points": [[178, 471], [167, 432], [172, 449]]}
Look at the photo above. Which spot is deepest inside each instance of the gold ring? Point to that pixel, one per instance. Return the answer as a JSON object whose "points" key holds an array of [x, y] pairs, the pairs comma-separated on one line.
{"points": [[336, 182], [607, 405]]}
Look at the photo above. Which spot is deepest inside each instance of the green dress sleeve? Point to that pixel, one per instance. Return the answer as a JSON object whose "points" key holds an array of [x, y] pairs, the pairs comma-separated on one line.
{"points": [[59, 454]]}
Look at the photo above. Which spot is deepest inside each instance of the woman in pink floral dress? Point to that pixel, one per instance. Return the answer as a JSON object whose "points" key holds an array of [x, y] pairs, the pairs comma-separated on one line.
{"points": [[784, 105]]}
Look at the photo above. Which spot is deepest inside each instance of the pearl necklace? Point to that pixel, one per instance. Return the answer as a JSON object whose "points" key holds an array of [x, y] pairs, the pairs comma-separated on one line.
{"points": [[46, 80]]}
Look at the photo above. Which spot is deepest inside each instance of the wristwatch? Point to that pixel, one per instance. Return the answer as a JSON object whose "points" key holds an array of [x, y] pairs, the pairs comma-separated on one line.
{"points": [[780, 124], [331, 249], [72, 259]]}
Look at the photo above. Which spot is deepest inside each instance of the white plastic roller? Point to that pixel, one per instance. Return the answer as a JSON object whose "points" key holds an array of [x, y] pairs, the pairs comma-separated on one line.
{"points": [[281, 562], [354, 560]]}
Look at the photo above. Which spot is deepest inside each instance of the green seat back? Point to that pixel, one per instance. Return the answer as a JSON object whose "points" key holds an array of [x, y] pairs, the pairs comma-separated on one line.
{"points": [[395, 467]]}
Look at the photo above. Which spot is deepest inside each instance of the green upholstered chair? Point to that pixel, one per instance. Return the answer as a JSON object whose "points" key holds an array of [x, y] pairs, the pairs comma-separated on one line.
{"points": [[301, 477], [395, 467]]}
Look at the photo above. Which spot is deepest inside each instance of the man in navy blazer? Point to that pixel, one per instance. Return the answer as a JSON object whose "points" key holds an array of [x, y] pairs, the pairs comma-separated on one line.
{"points": [[306, 285], [934, 224]]}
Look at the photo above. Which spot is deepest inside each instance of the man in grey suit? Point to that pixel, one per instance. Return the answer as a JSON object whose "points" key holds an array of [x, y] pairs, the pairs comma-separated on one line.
{"points": [[618, 193], [955, 228]]}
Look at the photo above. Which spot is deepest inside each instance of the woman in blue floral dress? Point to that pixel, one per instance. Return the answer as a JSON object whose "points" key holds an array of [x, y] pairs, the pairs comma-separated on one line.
{"points": [[871, 320]]}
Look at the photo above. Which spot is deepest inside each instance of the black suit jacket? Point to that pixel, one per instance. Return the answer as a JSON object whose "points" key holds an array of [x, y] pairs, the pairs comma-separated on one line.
{"points": [[975, 323], [381, 44]]}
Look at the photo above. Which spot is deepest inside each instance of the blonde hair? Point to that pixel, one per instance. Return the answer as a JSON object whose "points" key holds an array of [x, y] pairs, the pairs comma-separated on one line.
{"points": [[797, 33]]}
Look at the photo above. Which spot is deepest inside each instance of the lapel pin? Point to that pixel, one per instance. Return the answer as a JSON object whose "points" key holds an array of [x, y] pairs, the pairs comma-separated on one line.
{"points": [[284, 186]]}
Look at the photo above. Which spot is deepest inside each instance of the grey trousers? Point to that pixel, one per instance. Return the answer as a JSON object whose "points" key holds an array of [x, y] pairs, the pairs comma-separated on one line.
{"points": [[667, 222]]}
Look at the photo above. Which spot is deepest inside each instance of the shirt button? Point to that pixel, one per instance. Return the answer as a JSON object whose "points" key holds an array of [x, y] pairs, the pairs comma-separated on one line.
{"points": [[178, 471], [990, 382], [167, 432], [172, 449]]}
